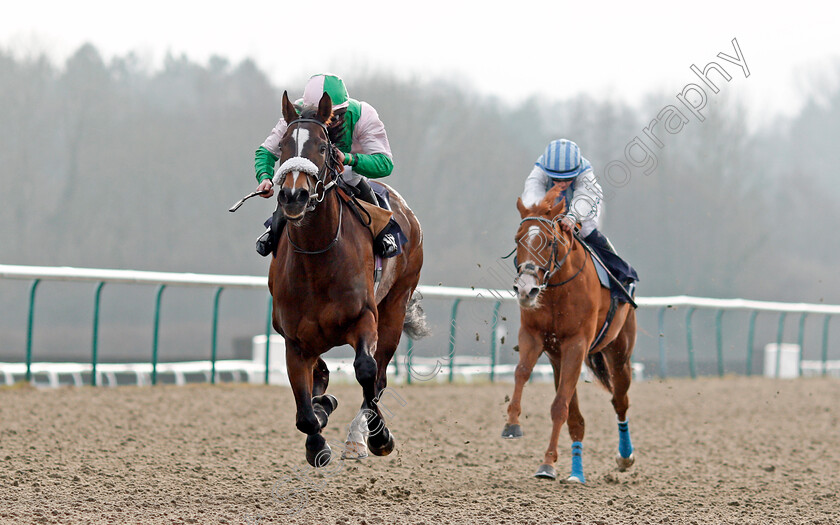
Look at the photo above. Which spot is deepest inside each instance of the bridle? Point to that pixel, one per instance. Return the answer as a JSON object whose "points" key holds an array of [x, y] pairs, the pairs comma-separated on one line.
{"points": [[327, 170], [317, 196], [554, 265]]}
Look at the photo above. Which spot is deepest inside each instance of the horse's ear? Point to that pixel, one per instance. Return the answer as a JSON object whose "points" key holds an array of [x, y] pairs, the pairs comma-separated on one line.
{"points": [[289, 111], [521, 207], [325, 108]]}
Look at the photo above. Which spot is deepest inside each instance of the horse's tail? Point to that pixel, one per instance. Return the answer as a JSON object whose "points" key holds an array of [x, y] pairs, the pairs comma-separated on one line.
{"points": [[415, 319], [598, 365]]}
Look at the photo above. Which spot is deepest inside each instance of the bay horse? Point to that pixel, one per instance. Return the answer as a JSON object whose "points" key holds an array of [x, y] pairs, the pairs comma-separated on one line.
{"points": [[321, 279], [563, 308]]}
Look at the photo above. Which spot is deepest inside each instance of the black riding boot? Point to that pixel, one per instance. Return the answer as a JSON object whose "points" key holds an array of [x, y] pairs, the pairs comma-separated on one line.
{"points": [[267, 242], [615, 264], [363, 191], [385, 244]]}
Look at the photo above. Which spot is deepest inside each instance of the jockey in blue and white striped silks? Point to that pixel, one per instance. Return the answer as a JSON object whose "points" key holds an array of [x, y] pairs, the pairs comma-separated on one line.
{"points": [[562, 161]]}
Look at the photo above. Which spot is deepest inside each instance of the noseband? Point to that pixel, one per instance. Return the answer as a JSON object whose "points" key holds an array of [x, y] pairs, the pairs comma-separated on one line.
{"points": [[306, 166], [554, 264]]}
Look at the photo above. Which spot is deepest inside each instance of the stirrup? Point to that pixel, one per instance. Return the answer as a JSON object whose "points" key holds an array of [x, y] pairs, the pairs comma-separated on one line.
{"points": [[264, 243], [386, 245]]}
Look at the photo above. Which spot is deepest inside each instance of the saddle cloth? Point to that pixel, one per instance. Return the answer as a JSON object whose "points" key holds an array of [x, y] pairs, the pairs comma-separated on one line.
{"points": [[602, 273]]}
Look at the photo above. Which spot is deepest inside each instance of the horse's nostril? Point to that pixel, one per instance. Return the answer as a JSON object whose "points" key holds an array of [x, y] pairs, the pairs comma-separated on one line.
{"points": [[533, 292], [285, 195], [293, 196]]}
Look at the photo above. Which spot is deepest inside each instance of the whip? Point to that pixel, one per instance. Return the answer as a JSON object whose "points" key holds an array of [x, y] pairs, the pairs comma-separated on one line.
{"points": [[245, 198]]}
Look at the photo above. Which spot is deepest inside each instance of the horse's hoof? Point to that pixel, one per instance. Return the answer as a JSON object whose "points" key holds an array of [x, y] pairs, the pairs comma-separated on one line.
{"points": [[326, 398], [512, 431], [624, 463], [546, 472], [385, 449], [354, 450], [575, 479], [318, 452]]}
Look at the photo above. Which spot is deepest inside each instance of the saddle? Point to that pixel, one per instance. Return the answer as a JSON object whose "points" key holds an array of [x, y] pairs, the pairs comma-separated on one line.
{"points": [[378, 219], [374, 217]]}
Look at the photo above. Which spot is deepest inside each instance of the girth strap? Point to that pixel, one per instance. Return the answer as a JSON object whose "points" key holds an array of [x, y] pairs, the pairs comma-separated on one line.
{"points": [[607, 322]]}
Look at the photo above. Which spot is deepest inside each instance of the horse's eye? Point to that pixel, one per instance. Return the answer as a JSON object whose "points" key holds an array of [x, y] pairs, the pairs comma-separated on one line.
{"points": [[323, 148]]}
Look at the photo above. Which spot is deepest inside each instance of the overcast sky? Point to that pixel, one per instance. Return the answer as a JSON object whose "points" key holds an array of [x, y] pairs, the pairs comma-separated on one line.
{"points": [[620, 50]]}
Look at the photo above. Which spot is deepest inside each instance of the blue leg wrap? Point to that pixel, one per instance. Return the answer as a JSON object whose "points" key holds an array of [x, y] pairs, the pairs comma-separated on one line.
{"points": [[625, 446], [577, 461]]}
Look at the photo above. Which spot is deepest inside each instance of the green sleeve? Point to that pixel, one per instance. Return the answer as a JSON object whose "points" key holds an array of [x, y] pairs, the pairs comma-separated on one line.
{"points": [[373, 166], [264, 162]]}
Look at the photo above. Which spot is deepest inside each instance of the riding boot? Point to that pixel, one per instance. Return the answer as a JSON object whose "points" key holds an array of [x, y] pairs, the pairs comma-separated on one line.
{"points": [[267, 242], [608, 255], [363, 191], [385, 244], [597, 239]]}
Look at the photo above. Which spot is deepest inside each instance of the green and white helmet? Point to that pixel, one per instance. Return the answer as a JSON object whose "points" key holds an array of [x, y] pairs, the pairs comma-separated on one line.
{"points": [[329, 84]]}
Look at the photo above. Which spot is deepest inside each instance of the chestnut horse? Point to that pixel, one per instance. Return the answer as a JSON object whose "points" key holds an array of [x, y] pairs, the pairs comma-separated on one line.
{"points": [[322, 283], [563, 308]]}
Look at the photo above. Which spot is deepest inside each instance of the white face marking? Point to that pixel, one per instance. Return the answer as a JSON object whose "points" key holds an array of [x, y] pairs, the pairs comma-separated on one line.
{"points": [[532, 236], [301, 137]]}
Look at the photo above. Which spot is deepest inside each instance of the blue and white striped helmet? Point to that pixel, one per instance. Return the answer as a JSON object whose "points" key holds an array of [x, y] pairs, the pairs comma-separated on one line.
{"points": [[562, 160]]}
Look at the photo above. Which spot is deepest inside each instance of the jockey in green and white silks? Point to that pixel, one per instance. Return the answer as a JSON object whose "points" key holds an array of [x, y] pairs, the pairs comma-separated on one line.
{"points": [[365, 140], [364, 149], [562, 164]]}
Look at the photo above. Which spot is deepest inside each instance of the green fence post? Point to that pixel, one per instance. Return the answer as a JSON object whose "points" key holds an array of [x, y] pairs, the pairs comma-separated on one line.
{"points": [[801, 340], [213, 338], [662, 363], [779, 335], [493, 341], [719, 337], [689, 342], [825, 345], [156, 333], [29, 326], [750, 337], [452, 325], [94, 351], [268, 334]]}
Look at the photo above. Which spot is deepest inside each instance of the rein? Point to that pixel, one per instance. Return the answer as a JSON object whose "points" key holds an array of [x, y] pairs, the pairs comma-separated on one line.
{"points": [[298, 249], [554, 264]]}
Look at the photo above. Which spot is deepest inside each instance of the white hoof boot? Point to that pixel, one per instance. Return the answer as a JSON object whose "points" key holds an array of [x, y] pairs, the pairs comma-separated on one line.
{"points": [[353, 450], [624, 463], [574, 479]]}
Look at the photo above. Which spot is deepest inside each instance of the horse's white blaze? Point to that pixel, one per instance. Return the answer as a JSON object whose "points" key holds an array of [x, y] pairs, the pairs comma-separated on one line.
{"points": [[533, 235], [301, 138]]}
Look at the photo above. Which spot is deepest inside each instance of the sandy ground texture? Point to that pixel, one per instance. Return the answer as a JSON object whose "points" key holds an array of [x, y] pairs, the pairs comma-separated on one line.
{"points": [[734, 450]]}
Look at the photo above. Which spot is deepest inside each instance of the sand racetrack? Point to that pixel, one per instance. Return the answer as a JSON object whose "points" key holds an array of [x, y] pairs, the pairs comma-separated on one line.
{"points": [[734, 450]]}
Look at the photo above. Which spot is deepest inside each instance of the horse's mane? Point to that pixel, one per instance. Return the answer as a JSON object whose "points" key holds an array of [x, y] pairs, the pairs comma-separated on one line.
{"points": [[544, 207]]}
